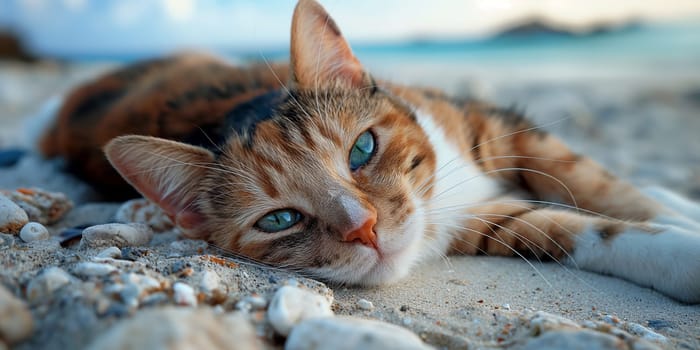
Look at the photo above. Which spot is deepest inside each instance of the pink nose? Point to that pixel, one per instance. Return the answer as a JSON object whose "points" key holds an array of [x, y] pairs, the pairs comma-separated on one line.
{"points": [[363, 234]]}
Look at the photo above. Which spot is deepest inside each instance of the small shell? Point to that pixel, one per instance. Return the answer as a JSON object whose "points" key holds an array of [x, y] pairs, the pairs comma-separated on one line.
{"points": [[33, 231]]}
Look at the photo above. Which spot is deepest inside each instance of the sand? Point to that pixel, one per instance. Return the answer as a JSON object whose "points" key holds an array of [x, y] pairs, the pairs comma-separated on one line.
{"points": [[644, 130]]}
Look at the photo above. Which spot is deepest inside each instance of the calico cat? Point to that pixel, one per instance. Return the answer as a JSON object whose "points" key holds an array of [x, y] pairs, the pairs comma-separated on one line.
{"points": [[319, 167]]}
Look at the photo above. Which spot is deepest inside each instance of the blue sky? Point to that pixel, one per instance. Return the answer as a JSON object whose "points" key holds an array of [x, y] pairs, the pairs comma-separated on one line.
{"points": [[116, 26]]}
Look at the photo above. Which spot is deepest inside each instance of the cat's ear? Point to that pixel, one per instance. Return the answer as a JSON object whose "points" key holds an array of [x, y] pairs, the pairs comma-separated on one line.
{"points": [[320, 56], [164, 171]]}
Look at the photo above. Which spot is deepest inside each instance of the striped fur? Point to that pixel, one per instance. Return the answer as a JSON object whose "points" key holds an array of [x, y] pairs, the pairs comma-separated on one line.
{"points": [[448, 176]]}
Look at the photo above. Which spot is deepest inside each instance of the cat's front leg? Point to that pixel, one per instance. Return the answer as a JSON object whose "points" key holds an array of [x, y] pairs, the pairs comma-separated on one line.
{"points": [[663, 257]]}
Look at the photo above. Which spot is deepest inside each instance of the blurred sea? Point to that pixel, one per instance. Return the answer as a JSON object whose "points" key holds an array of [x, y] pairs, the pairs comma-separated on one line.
{"points": [[669, 51]]}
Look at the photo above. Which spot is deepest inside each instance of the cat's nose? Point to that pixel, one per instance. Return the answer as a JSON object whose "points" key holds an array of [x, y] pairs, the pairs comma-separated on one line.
{"points": [[364, 233]]}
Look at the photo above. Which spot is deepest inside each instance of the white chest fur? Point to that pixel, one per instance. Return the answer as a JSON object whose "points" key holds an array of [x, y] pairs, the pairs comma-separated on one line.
{"points": [[458, 183]]}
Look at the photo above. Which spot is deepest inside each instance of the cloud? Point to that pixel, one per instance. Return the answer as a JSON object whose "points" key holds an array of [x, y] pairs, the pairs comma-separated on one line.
{"points": [[179, 10]]}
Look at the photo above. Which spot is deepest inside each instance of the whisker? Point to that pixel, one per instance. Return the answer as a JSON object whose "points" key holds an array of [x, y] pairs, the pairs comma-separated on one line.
{"points": [[519, 132], [466, 206], [460, 227], [554, 178]]}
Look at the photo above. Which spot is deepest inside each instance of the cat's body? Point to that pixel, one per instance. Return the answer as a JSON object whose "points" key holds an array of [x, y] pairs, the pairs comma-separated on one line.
{"points": [[355, 180]]}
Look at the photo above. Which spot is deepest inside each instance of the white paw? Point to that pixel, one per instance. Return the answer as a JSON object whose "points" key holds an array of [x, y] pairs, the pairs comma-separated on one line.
{"points": [[667, 261]]}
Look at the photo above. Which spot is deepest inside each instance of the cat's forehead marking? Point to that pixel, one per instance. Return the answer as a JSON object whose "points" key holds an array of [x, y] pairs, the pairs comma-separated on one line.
{"points": [[243, 119]]}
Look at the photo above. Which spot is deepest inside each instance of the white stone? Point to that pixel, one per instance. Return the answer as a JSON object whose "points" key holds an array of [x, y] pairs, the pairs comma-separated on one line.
{"points": [[344, 332], [12, 217], [93, 269], [210, 282], [250, 303], [184, 294], [47, 282], [574, 339], [171, 328], [33, 231], [365, 304], [16, 322], [292, 305], [645, 333], [145, 284], [111, 252], [119, 235], [256, 302], [543, 321]]}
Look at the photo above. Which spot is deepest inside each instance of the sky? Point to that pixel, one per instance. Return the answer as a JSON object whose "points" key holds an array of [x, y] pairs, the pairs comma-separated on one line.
{"points": [[104, 26]]}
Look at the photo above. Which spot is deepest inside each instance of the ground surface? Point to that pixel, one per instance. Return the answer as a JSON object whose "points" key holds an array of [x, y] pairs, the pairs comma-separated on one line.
{"points": [[643, 129]]}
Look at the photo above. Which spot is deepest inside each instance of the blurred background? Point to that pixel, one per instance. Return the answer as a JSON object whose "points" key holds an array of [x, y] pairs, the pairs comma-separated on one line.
{"points": [[618, 79]]}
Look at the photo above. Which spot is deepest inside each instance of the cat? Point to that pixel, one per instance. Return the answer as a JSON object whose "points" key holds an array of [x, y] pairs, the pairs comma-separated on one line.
{"points": [[318, 167]]}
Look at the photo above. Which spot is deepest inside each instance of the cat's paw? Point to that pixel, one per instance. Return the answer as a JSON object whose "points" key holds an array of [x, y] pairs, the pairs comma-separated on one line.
{"points": [[663, 257], [682, 211]]}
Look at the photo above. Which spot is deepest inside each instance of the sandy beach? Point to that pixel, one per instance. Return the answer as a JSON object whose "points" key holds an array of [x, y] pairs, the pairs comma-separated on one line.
{"points": [[643, 127]]}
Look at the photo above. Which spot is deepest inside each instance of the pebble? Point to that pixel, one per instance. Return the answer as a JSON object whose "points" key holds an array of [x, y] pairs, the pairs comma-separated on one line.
{"points": [[16, 322], [119, 235], [210, 283], [41, 206], [12, 217], [130, 296], [569, 339], [172, 328], [184, 294], [146, 212], [111, 252], [93, 269], [351, 333], [292, 305], [251, 303], [645, 333], [133, 254], [48, 281], [33, 231], [158, 298], [611, 319], [146, 284], [543, 321], [365, 304]]}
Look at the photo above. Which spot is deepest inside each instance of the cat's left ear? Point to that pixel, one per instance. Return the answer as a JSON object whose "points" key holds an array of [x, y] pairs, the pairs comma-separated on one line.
{"points": [[168, 173], [320, 56]]}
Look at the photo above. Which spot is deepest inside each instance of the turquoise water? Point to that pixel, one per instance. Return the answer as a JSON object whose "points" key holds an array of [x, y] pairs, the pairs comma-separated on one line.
{"points": [[674, 47], [668, 44]]}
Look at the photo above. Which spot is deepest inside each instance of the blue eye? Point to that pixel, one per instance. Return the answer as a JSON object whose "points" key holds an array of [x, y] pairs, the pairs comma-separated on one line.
{"points": [[278, 220], [362, 150]]}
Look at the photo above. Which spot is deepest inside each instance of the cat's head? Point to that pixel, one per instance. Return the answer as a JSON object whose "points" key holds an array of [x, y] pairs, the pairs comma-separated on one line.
{"points": [[334, 182]]}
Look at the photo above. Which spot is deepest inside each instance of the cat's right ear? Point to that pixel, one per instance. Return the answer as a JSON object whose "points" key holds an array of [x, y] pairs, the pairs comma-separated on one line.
{"points": [[320, 57], [164, 171]]}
